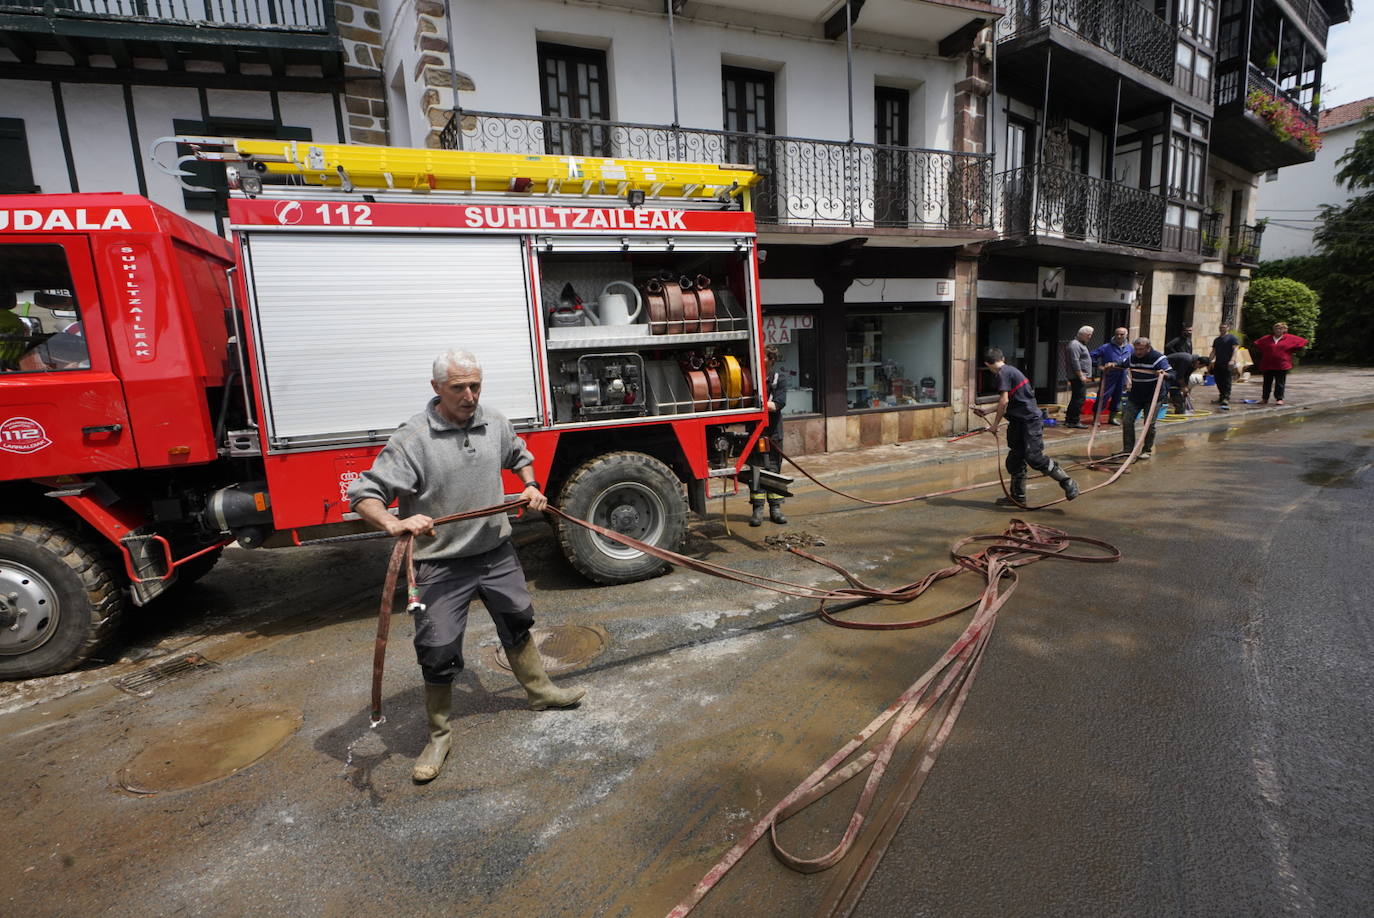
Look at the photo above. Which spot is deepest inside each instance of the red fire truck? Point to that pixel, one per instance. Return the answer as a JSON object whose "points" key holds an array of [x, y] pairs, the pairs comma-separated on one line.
{"points": [[165, 393]]}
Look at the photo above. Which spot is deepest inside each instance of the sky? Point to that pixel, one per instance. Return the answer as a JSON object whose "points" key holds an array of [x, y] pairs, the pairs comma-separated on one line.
{"points": [[1349, 72]]}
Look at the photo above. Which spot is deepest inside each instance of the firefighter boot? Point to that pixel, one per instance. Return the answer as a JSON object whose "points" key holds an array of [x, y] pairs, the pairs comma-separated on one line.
{"points": [[1056, 471], [775, 512], [529, 669], [438, 707], [1017, 490], [757, 518]]}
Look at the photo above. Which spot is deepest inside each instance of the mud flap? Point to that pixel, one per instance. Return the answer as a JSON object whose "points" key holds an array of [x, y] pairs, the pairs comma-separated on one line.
{"points": [[775, 483], [151, 564]]}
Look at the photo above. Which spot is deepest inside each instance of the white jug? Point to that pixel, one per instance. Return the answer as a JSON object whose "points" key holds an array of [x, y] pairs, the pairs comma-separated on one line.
{"points": [[614, 308]]}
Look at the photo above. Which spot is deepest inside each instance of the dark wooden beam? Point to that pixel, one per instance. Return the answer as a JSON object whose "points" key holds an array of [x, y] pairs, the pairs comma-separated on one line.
{"points": [[835, 26], [277, 60], [74, 48], [961, 39], [119, 50], [49, 72], [19, 46], [230, 57], [175, 62]]}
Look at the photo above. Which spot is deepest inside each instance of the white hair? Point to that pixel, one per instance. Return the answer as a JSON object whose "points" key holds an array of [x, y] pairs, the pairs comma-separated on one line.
{"points": [[1086, 330], [454, 359]]}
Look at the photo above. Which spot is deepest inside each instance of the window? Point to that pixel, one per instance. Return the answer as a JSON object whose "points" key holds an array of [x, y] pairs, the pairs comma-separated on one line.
{"points": [[797, 337], [747, 102], [895, 358], [16, 169], [573, 85], [891, 120], [40, 321]]}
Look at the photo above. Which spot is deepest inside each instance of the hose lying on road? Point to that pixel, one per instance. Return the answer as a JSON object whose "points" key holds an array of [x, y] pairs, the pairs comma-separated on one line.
{"points": [[1124, 460], [944, 687]]}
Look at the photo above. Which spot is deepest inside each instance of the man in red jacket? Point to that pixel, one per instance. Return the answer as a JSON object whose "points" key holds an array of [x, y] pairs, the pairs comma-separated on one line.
{"points": [[1276, 359]]}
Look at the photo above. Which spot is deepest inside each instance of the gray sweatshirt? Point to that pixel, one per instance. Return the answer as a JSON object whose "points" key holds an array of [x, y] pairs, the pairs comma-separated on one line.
{"points": [[439, 468]]}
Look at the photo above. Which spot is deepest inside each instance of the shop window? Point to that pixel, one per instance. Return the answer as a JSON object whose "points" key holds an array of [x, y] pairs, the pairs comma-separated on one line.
{"points": [[895, 359], [797, 336], [40, 326]]}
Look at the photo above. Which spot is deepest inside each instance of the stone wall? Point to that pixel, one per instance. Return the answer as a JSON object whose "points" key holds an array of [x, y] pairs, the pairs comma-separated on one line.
{"points": [[360, 34], [432, 74]]}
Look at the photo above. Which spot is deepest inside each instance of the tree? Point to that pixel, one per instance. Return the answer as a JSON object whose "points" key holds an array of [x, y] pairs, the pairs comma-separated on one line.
{"points": [[1281, 299], [1345, 241]]}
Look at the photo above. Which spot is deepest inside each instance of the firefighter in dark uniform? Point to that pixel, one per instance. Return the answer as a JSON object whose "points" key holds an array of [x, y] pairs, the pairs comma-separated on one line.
{"points": [[772, 459], [1025, 436]]}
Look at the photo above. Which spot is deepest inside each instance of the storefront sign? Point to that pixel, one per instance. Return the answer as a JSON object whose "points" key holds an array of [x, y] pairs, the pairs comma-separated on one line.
{"points": [[778, 329]]}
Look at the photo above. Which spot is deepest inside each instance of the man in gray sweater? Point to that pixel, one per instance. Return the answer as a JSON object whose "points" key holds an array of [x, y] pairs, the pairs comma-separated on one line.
{"points": [[1077, 369], [445, 460]]}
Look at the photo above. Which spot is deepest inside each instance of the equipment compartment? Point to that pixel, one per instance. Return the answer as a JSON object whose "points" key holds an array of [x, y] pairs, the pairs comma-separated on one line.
{"points": [[677, 321]]}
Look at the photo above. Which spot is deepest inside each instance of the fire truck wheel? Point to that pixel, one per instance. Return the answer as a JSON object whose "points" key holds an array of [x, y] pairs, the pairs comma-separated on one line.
{"points": [[630, 493], [59, 598]]}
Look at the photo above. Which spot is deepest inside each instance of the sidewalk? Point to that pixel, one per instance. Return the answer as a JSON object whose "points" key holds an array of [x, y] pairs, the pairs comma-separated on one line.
{"points": [[1317, 388]]}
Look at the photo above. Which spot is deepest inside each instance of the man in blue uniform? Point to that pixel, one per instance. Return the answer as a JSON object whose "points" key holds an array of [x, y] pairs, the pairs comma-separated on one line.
{"points": [[1025, 435], [1111, 359]]}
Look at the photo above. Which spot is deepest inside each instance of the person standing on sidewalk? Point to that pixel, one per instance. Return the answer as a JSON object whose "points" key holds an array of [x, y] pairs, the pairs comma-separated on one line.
{"points": [[1223, 353], [1183, 344], [1145, 367], [1025, 434], [1078, 368], [1111, 359], [1276, 359], [448, 459]]}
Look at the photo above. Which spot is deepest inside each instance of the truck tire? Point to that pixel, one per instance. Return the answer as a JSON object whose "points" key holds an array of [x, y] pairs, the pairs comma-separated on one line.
{"points": [[69, 592], [631, 493]]}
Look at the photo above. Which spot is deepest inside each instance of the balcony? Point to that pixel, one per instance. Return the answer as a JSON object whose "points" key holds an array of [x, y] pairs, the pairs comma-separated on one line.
{"points": [[1243, 245], [1211, 234], [1109, 223], [817, 187], [1314, 17], [1252, 115], [1095, 43], [248, 40], [1120, 27]]}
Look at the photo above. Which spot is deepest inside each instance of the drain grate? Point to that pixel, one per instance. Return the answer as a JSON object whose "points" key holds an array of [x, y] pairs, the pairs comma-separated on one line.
{"points": [[142, 684]]}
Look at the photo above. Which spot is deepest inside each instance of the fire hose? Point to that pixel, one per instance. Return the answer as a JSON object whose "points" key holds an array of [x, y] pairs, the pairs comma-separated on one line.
{"points": [[942, 688]]}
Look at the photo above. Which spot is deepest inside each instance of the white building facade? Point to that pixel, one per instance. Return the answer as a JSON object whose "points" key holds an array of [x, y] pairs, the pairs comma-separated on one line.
{"points": [[1290, 199]]}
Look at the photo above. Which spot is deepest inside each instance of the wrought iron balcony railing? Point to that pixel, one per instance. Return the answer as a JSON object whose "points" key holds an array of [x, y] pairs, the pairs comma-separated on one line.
{"points": [[1122, 27], [1211, 234], [1230, 90], [805, 182], [1050, 201], [1243, 247], [292, 15]]}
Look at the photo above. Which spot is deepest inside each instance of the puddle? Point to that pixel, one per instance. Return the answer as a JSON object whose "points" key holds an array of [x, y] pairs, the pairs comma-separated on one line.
{"points": [[208, 750], [1333, 473], [562, 647]]}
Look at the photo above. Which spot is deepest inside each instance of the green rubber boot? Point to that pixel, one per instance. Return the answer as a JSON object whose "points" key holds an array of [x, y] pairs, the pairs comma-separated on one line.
{"points": [[529, 669], [438, 708]]}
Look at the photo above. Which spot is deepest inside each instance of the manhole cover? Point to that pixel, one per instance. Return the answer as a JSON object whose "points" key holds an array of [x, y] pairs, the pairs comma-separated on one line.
{"points": [[562, 647], [208, 750]]}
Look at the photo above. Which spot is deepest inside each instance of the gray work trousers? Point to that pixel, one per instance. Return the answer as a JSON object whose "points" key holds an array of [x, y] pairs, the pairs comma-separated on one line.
{"points": [[447, 587]]}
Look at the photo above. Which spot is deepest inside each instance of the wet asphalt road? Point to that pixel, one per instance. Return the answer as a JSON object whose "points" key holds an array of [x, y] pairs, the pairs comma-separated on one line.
{"points": [[1185, 732]]}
